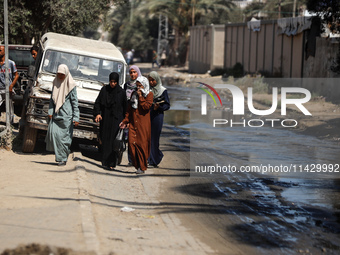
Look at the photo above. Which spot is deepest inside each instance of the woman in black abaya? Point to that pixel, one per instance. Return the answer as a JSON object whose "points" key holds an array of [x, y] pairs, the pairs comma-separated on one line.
{"points": [[109, 110]]}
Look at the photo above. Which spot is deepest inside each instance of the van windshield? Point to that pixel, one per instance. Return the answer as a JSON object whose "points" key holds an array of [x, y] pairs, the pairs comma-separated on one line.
{"points": [[83, 67]]}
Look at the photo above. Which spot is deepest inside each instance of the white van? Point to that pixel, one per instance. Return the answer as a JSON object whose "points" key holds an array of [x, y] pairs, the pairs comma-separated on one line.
{"points": [[90, 62]]}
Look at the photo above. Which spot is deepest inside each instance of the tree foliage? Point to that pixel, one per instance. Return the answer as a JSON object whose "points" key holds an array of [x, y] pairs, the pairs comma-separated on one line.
{"points": [[274, 9], [328, 11], [31, 19], [253, 9], [135, 35], [185, 13]]}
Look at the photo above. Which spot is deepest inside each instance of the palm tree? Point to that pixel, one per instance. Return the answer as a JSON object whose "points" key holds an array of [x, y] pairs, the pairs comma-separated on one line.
{"points": [[282, 8], [184, 13]]}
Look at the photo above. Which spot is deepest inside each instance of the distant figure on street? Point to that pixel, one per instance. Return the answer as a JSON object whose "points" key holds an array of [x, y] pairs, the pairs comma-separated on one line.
{"points": [[63, 113], [13, 78], [129, 56], [138, 119], [163, 58], [109, 110], [155, 59], [161, 103]]}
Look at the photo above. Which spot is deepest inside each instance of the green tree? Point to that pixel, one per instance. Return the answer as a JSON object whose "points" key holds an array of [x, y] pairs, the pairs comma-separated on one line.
{"points": [[19, 27], [129, 28], [236, 15], [283, 8], [135, 35], [273, 9], [328, 11], [253, 9], [184, 13], [116, 17], [31, 19]]}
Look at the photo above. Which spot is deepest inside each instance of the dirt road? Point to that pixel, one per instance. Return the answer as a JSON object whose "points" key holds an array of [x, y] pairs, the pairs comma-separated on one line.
{"points": [[86, 209]]}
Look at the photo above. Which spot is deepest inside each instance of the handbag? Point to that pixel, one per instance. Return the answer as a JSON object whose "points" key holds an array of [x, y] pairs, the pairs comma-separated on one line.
{"points": [[118, 143]]}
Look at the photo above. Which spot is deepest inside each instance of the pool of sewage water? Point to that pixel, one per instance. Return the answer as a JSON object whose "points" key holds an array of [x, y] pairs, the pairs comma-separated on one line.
{"points": [[298, 177]]}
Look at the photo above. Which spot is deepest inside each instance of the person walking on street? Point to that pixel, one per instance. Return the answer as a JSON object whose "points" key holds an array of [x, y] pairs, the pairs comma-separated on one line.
{"points": [[129, 56], [161, 103], [109, 110], [137, 119], [13, 78], [129, 88], [155, 59], [63, 113], [163, 58]]}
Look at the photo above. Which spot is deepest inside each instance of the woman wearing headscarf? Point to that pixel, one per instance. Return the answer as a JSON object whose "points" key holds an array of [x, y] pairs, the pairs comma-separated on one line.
{"points": [[109, 109], [138, 118], [129, 88], [161, 103], [63, 112]]}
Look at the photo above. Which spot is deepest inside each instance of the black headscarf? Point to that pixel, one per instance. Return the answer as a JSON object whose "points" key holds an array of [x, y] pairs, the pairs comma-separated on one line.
{"points": [[114, 76], [111, 97]]}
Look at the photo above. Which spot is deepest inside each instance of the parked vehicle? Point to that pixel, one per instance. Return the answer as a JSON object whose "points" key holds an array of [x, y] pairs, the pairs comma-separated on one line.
{"points": [[21, 55], [90, 62]]}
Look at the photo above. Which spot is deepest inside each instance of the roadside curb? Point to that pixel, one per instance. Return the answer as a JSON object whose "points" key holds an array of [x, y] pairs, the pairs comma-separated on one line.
{"points": [[88, 223]]}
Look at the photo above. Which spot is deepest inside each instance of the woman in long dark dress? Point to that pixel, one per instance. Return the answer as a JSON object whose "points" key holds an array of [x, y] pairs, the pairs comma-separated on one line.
{"points": [[161, 103], [109, 110]]}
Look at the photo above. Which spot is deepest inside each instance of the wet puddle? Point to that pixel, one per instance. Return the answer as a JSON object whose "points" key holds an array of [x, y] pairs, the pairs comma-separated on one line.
{"points": [[308, 195], [308, 158]]}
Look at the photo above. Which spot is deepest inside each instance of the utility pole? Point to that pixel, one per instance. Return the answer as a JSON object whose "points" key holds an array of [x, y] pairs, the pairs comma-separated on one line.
{"points": [[131, 11], [193, 13], [7, 132], [162, 34], [280, 9], [294, 8]]}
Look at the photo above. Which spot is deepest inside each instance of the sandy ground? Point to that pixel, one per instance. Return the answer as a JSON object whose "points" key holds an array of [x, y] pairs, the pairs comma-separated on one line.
{"points": [[83, 208]]}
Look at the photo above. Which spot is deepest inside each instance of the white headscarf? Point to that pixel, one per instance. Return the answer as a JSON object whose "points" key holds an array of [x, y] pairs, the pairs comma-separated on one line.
{"points": [[145, 82], [158, 89], [62, 88], [131, 85]]}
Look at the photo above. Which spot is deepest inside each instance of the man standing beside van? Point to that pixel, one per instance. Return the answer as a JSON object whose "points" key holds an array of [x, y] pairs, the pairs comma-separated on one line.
{"points": [[34, 51], [13, 78]]}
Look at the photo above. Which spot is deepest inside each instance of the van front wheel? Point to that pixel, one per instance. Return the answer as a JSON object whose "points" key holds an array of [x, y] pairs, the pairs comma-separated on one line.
{"points": [[30, 138]]}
